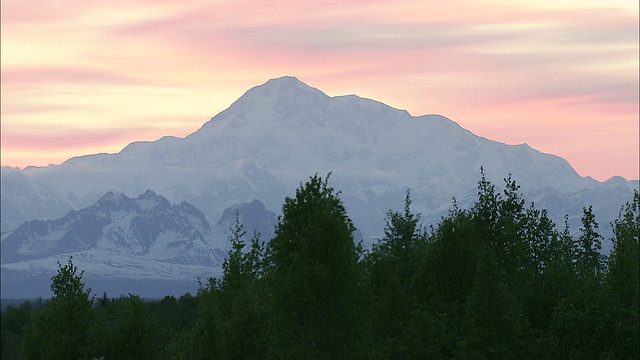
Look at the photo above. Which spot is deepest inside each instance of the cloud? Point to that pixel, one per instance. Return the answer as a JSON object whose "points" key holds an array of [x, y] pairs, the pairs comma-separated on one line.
{"points": [[48, 144], [66, 137], [486, 64], [49, 74]]}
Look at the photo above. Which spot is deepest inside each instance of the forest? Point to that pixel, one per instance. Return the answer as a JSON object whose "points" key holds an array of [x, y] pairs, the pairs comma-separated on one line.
{"points": [[499, 280]]}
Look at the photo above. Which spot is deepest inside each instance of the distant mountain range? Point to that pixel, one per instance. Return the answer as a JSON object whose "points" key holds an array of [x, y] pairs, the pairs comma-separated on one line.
{"points": [[147, 226], [262, 147], [124, 240]]}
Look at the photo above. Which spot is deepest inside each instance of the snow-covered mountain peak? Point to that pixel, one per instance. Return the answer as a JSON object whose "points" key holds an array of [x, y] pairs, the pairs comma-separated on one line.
{"points": [[147, 225], [286, 86], [253, 216], [279, 133], [150, 200], [263, 147], [116, 201]]}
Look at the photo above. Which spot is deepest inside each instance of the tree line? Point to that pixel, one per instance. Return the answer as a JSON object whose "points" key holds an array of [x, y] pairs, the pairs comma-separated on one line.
{"points": [[499, 280]]}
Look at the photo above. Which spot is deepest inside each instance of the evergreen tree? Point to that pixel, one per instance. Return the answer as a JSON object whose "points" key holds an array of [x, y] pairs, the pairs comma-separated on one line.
{"points": [[232, 322], [62, 329], [13, 320], [133, 335], [242, 323], [624, 264], [585, 325], [494, 327], [550, 276], [391, 266], [450, 290], [202, 341], [623, 278], [173, 320], [442, 286], [588, 259], [314, 277], [512, 247]]}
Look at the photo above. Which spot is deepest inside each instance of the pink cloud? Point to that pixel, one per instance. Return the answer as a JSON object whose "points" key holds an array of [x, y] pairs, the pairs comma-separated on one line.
{"points": [[495, 68], [69, 138], [55, 144], [47, 74]]}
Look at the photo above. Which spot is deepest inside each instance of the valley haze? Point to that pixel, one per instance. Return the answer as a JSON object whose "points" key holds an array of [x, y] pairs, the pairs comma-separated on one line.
{"points": [[177, 195]]}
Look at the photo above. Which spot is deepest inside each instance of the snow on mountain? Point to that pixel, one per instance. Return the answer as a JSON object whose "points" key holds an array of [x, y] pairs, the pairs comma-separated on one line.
{"points": [[146, 226], [278, 134], [253, 216], [121, 239]]}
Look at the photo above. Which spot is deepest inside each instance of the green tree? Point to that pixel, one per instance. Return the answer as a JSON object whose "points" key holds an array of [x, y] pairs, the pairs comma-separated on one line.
{"points": [[62, 330], [623, 277], [453, 296], [442, 286], [232, 314], [624, 267], [589, 260], [173, 320], [202, 341], [589, 322], [586, 325], [550, 279], [493, 323], [13, 320], [133, 335], [391, 266], [242, 322], [314, 277]]}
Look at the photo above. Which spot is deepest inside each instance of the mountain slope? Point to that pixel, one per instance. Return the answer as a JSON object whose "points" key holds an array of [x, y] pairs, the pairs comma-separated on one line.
{"points": [[146, 226], [278, 134], [143, 245]]}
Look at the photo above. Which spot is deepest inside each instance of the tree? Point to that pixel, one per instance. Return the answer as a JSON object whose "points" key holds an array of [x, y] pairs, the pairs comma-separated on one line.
{"points": [[314, 278], [477, 261], [442, 286], [589, 322], [391, 266], [623, 277], [173, 319], [588, 259], [13, 321], [62, 330], [624, 264], [550, 275], [493, 325], [232, 314], [242, 322], [133, 335]]}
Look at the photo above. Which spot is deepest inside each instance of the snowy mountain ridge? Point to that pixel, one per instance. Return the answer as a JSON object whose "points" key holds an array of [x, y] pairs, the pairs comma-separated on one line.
{"points": [[145, 226], [126, 239], [278, 134]]}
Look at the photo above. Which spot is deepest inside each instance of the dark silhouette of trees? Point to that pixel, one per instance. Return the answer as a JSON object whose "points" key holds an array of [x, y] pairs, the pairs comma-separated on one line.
{"points": [[62, 329], [497, 280], [314, 278]]}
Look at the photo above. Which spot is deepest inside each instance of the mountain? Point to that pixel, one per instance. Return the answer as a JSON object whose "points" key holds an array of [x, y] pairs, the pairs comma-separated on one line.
{"points": [[278, 134], [120, 241], [253, 216], [145, 226]]}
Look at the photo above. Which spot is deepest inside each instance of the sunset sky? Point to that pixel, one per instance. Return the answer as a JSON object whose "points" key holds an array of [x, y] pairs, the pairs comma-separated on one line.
{"points": [[82, 77]]}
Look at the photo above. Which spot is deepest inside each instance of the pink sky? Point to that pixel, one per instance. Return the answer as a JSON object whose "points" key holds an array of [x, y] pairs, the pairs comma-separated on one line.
{"points": [[81, 77]]}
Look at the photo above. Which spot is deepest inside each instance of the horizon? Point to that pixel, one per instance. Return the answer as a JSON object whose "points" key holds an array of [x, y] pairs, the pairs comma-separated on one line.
{"points": [[562, 78]]}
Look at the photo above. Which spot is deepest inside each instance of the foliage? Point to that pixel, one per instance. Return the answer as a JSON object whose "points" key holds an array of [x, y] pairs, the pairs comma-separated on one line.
{"points": [[314, 277], [498, 280], [62, 328], [132, 334], [391, 266]]}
